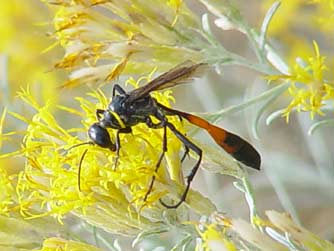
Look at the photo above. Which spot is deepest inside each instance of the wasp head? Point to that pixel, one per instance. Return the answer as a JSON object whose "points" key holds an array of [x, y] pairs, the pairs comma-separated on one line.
{"points": [[100, 136]]}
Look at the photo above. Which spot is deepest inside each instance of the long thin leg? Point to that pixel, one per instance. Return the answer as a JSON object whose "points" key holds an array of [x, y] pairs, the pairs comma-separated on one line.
{"points": [[186, 152], [119, 89], [164, 150], [118, 147], [118, 143], [191, 176], [150, 124], [186, 149]]}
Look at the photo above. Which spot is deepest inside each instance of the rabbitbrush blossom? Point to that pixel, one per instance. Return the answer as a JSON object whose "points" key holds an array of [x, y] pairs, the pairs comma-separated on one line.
{"points": [[310, 91], [102, 39]]}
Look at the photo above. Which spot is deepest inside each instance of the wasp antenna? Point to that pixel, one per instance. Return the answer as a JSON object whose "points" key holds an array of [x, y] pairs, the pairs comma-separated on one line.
{"points": [[80, 144], [79, 170]]}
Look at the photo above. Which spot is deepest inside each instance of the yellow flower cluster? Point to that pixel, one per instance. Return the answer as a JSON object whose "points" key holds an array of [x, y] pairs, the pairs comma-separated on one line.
{"points": [[213, 238], [7, 191], [150, 33], [308, 87]]}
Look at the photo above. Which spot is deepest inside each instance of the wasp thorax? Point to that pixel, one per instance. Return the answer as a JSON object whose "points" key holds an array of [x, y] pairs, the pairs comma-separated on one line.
{"points": [[100, 136], [118, 104], [110, 120]]}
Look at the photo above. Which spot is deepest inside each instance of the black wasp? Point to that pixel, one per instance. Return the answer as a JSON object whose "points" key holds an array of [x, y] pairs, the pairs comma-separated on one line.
{"points": [[127, 109]]}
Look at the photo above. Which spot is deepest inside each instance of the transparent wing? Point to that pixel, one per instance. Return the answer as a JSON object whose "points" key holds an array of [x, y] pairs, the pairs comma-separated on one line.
{"points": [[181, 74]]}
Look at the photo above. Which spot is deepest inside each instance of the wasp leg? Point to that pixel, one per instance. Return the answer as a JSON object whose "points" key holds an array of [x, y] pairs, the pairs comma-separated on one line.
{"points": [[118, 143], [185, 154], [180, 118], [164, 150], [119, 89], [99, 113], [191, 176], [158, 125]]}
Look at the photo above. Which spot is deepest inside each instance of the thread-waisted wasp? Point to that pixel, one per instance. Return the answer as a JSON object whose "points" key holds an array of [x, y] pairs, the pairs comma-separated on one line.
{"points": [[127, 109]]}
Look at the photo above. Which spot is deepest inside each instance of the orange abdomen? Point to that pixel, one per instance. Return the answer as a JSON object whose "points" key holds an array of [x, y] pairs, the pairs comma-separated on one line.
{"points": [[239, 148]]}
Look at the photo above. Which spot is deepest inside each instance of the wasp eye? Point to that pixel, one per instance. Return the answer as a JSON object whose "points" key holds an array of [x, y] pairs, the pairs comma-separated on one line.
{"points": [[100, 136]]}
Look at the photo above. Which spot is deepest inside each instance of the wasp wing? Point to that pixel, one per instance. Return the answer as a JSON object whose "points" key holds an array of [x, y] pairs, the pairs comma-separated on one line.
{"points": [[182, 73]]}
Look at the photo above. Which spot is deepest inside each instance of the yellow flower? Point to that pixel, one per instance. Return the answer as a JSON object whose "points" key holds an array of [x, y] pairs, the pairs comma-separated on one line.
{"points": [[214, 238], [308, 87], [7, 190], [127, 36]]}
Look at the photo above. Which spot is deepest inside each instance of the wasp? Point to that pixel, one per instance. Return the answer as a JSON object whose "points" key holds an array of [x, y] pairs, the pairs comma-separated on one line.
{"points": [[128, 109]]}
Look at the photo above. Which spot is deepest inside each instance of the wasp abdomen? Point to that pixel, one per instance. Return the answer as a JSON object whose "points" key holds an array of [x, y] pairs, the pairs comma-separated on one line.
{"points": [[242, 151]]}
